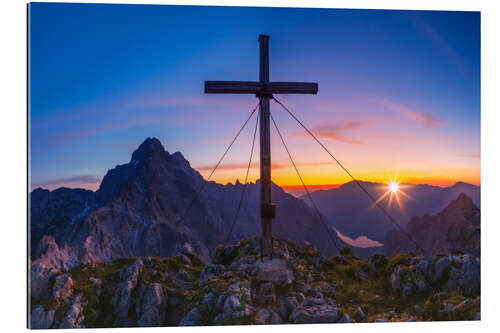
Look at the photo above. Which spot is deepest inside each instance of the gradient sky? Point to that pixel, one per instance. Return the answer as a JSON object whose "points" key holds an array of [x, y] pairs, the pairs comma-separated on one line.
{"points": [[399, 91]]}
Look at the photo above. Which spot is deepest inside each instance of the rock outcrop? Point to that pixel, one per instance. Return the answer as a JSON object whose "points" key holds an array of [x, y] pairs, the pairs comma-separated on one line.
{"points": [[122, 297], [456, 229], [299, 285], [41, 318]]}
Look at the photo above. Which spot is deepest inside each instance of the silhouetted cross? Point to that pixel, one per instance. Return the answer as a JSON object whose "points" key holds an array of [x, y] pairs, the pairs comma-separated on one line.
{"points": [[264, 90]]}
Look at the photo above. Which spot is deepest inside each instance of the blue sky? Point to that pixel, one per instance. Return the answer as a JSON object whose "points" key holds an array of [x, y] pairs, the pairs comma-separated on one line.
{"points": [[399, 91]]}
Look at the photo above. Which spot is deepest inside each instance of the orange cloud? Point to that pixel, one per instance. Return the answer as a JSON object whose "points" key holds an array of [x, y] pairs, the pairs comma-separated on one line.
{"points": [[333, 131], [337, 137], [424, 120], [256, 165]]}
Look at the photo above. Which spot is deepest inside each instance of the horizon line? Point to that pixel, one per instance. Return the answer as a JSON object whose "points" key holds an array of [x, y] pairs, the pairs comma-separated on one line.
{"points": [[287, 188]]}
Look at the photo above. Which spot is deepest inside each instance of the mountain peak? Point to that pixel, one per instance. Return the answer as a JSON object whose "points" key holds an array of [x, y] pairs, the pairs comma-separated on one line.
{"points": [[150, 147], [462, 200], [460, 208]]}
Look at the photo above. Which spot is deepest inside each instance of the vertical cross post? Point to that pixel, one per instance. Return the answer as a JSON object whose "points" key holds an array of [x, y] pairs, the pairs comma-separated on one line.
{"points": [[264, 90], [267, 209]]}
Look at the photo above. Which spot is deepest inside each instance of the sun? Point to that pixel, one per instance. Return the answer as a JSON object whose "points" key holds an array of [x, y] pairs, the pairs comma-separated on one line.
{"points": [[393, 190], [393, 187]]}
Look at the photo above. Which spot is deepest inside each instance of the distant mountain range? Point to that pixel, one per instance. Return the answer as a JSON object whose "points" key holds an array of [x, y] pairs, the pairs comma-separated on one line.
{"points": [[137, 211], [350, 210]]}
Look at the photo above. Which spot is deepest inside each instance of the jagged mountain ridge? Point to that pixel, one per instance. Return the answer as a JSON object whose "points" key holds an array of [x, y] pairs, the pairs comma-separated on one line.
{"points": [[137, 208], [350, 210], [455, 228]]}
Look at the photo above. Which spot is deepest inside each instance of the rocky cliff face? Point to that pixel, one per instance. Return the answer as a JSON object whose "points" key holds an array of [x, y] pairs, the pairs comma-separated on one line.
{"points": [[53, 211], [299, 285], [137, 211], [455, 229]]}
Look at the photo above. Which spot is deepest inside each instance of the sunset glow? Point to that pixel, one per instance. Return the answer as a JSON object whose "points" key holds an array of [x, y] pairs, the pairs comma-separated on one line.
{"points": [[377, 110]]}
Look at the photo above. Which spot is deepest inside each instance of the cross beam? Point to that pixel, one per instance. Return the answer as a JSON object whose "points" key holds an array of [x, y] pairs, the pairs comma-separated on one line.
{"points": [[259, 88], [264, 90]]}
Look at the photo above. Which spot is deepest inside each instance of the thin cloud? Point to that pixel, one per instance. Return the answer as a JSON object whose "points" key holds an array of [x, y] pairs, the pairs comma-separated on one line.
{"points": [[237, 166], [339, 138], [474, 156], [335, 131], [347, 125], [424, 120], [255, 165]]}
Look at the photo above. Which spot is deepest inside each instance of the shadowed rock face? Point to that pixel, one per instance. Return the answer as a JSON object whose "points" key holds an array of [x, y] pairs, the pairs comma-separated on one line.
{"points": [[52, 211], [455, 229], [137, 211]]}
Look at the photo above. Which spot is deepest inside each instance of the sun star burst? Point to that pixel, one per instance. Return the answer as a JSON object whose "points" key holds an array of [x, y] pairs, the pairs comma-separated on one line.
{"points": [[393, 189]]}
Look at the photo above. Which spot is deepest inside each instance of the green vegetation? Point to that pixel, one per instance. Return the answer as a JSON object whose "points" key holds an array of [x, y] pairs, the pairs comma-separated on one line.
{"points": [[350, 281]]}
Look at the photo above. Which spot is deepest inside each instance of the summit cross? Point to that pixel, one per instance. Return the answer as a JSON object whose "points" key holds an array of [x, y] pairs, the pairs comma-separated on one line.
{"points": [[264, 90]]}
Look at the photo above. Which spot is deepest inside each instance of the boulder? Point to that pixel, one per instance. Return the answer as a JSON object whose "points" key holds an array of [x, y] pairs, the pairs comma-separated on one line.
{"points": [[208, 301], [275, 319], [279, 277], [151, 306], [245, 265], [440, 267], [314, 314], [183, 274], [192, 318], [184, 249], [62, 288], [97, 285], [41, 318], [346, 319], [302, 287], [327, 289], [74, 315], [395, 277], [211, 271], [232, 304], [360, 313], [122, 296], [466, 279], [300, 297], [470, 283], [313, 301], [291, 304], [381, 320], [262, 316]]}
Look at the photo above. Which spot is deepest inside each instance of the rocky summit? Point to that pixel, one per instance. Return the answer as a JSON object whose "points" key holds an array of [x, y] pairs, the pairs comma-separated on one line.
{"points": [[298, 285], [148, 207]]}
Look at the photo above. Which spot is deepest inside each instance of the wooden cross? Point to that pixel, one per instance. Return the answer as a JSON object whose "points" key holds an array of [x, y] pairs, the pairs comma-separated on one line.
{"points": [[264, 90]]}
